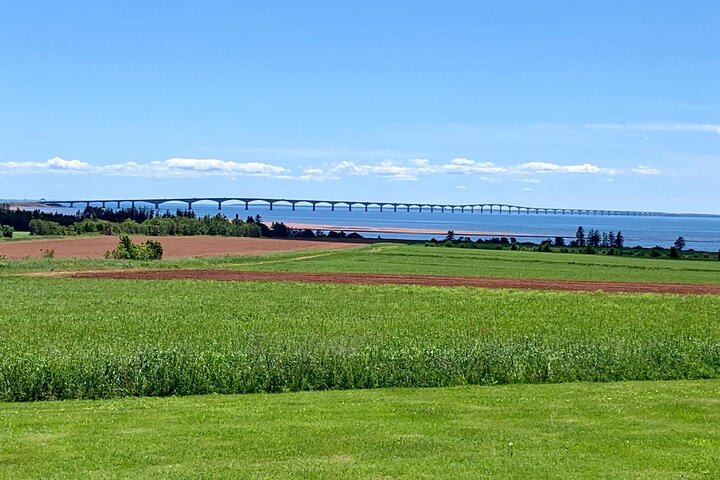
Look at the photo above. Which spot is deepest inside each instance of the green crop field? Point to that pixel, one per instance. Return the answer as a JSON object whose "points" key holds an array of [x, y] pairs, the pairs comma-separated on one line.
{"points": [[416, 259], [508, 362], [638, 430], [65, 338]]}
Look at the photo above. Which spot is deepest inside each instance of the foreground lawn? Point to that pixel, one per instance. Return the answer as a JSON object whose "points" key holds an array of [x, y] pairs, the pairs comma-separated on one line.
{"points": [[69, 338], [645, 430], [417, 259]]}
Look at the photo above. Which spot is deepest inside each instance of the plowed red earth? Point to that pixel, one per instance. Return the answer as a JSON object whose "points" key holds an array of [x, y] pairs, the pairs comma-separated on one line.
{"points": [[174, 247], [431, 280]]}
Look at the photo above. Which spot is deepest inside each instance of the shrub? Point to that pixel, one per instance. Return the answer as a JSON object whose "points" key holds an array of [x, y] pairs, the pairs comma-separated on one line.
{"points": [[48, 253], [674, 252], [127, 250], [45, 227], [7, 231]]}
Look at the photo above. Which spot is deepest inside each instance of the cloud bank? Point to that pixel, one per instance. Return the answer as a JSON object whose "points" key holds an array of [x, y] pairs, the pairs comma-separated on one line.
{"points": [[406, 170]]}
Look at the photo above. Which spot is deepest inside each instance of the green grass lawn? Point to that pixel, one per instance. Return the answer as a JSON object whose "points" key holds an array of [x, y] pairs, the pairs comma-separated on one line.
{"points": [[70, 338], [416, 259], [634, 430]]}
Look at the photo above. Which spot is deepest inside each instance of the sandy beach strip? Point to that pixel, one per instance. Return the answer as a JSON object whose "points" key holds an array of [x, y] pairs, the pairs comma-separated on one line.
{"points": [[410, 231]]}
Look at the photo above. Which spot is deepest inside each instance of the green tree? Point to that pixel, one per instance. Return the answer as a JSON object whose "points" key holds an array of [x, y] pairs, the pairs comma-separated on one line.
{"points": [[619, 240], [580, 237], [680, 243]]}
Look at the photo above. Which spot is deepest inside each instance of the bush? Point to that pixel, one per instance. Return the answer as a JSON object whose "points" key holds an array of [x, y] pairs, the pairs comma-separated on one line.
{"points": [[7, 231], [127, 250], [45, 227], [674, 252]]}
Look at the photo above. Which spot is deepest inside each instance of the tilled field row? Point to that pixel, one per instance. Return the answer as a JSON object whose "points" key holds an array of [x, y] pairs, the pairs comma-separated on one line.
{"points": [[428, 280]]}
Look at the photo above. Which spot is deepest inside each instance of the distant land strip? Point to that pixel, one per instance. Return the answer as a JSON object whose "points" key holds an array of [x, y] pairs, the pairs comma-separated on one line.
{"points": [[413, 231]]}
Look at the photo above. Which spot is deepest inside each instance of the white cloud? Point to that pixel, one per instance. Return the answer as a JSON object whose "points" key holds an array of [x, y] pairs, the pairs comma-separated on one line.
{"points": [[219, 167], [177, 167], [409, 170], [545, 167], [646, 170], [54, 165], [659, 127]]}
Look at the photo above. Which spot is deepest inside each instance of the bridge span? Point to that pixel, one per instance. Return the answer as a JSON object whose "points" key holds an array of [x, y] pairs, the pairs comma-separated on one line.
{"points": [[381, 206]]}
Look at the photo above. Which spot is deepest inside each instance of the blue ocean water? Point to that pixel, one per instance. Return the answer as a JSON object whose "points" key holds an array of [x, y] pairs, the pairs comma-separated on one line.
{"points": [[700, 233]]}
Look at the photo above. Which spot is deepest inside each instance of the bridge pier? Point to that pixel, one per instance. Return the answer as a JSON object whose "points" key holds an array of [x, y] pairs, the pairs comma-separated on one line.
{"points": [[395, 208], [293, 206], [246, 205], [271, 206], [349, 207], [366, 207], [219, 205], [313, 206], [332, 207]]}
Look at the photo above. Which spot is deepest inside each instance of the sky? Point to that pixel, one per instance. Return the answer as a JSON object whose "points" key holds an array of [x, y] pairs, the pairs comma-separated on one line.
{"points": [[608, 105]]}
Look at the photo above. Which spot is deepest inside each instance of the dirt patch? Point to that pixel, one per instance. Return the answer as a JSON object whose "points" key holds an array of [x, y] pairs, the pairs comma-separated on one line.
{"points": [[174, 247], [431, 280]]}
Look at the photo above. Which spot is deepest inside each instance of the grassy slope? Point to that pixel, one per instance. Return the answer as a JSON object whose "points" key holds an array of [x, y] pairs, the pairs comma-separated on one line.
{"points": [[648, 430], [490, 263], [92, 338], [392, 258]]}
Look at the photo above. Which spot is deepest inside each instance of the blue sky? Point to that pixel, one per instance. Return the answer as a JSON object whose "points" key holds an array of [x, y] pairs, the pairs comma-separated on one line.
{"points": [[614, 105]]}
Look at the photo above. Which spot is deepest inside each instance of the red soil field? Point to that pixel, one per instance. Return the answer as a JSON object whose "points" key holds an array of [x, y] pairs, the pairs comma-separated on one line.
{"points": [[174, 247], [431, 280]]}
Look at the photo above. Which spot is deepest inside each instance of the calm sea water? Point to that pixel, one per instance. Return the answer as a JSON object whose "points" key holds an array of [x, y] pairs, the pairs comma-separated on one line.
{"points": [[700, 233]]}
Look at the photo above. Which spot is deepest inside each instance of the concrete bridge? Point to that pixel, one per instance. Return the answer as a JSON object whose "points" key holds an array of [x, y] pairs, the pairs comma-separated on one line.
{"points": [[349, 205]]}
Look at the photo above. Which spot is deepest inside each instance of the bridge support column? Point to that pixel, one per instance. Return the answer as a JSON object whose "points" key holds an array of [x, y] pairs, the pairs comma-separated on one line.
{"points": [[432, 209], [132, 205], [219, 205], [246, 205], [408, 209], [366, 207], [381, 208], [293, 206], [271, 206], [313, 206], [157, 205], [349, 208], [332, 207], [395, 208]]}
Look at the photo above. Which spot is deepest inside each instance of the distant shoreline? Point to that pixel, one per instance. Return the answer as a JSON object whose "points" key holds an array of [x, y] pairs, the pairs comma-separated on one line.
{"points": [[413, 231]]}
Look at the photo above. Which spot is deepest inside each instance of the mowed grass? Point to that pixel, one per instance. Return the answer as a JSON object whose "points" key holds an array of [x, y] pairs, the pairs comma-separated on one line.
{"points": [[635, 430], [420, 260], [65, 338]]}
